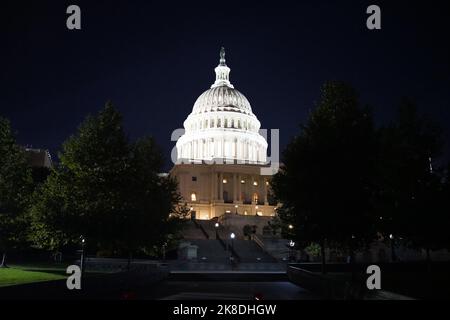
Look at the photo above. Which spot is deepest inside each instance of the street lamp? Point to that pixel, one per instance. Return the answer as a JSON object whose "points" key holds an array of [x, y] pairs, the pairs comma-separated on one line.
{"points": [[217, 230], [232, 236], [393, 257], [291, 227], [291, 249], [83, 242], [236, 207]]}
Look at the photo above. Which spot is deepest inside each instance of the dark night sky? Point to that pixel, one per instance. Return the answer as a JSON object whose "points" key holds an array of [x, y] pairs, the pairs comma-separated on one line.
{"points": [[153, 59]]}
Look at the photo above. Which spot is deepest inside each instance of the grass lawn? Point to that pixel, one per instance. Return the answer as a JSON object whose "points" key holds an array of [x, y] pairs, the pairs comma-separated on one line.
{"points": [[14, 276]]}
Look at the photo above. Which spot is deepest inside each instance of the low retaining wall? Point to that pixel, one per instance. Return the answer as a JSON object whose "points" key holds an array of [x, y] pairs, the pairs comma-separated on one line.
{"points": [[330, 287]]}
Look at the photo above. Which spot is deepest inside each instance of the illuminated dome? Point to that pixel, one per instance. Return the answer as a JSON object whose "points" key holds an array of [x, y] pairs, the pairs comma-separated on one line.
{"points": [[222, 125], [222, 98]]}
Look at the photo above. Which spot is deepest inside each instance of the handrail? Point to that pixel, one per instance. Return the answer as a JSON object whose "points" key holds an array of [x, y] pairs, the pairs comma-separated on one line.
{"points": [[201, 228], [225, 246], [221, 242], [258, 241], [261, 244]]}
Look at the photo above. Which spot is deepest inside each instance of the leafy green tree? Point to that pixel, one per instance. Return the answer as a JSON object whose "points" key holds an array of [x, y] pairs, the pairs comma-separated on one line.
{"points": [[326, 182], [15, 190], [107, 190], [150, 199], [410, 199]]}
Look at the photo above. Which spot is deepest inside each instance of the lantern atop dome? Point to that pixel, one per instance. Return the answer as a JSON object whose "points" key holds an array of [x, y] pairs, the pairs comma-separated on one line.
{"points": [[222, 72]]}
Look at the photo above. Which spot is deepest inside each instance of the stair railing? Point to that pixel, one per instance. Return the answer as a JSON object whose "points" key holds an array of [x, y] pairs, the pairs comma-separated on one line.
{"points": [[198, 225]]}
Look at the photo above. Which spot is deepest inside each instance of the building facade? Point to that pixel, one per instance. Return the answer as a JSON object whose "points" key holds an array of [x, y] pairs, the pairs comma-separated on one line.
{"points": [[220, 155]]}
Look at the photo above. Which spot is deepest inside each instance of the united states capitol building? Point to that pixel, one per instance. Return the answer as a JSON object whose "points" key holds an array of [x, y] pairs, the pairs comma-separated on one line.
{"points": [[221, 155]]}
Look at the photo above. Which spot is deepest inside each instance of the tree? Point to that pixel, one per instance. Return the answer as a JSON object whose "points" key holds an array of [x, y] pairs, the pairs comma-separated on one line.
{"points": [[107, 190], [411, 196], [15, 190], [151, 197], [326, 182]]}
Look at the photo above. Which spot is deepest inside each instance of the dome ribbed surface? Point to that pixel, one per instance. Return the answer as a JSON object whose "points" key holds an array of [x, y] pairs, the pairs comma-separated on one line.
{"points": [[223, 98]]}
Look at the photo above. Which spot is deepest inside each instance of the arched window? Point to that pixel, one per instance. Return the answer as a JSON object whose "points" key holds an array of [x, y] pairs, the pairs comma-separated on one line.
{"points": [[193, 197]]}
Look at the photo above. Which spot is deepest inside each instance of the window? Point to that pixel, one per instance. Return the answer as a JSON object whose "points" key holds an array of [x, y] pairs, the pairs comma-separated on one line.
{"points": [[193, 197], [194, 179], [255, 198]]}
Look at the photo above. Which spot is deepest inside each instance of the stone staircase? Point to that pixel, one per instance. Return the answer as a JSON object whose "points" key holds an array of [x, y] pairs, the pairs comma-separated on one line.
{"points": [[210, 251], [249, 252]]}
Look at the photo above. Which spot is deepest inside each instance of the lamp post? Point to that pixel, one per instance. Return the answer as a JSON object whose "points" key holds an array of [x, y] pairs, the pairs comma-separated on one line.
{"points": [[83, 242], [291, 247], [216, 226], [393, 256], [236, 207], [232, 236]]}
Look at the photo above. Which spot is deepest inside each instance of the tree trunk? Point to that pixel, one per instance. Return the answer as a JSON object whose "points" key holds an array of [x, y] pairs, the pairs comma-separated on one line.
{"points": [[3, 265], [322, 251]]}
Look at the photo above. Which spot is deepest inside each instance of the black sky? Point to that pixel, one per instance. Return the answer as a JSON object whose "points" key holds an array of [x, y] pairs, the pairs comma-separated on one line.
{"points": [[153, 59]]}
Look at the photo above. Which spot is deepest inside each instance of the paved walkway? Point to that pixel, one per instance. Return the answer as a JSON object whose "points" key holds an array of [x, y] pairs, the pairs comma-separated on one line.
{"points": [[228, 290]]}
